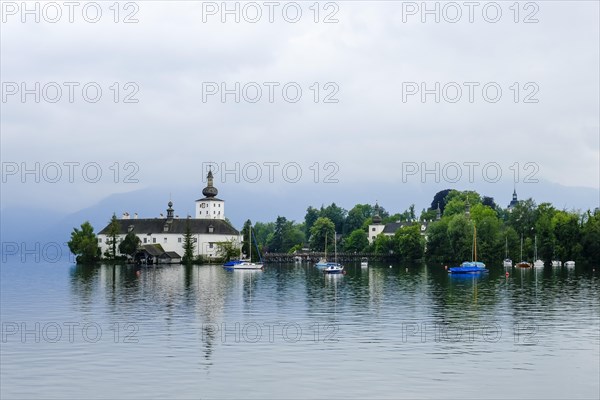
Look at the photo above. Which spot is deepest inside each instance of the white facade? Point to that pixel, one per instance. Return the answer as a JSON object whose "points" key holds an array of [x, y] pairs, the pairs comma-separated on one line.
{"points": [[205, 244], [375, 230], [208, 228], [210, 209]]}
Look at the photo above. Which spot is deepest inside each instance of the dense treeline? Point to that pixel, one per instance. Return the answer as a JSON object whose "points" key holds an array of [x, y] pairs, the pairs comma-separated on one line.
{"points": [[563, 235], [450, 221]]}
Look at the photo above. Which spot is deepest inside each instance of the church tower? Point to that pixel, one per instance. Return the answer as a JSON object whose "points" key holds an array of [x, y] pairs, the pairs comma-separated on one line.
{"points": [[210, 207], [514, 200]]}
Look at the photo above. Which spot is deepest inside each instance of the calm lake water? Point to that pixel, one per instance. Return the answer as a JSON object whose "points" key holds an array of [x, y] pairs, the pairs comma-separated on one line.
{"points": [[290, 332]]}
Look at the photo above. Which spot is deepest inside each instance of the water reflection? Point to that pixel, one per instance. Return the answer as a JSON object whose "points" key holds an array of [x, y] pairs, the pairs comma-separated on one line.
{"points": [[369, 305]]}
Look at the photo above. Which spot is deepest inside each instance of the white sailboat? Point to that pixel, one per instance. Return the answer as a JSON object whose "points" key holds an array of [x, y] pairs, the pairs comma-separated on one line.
{"points": [[323, 261], [248, 264], [537, 263], [507, 263], [334, 267]]}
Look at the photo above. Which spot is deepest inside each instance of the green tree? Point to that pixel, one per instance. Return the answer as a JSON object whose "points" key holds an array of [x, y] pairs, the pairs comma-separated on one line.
{"points": [[543, 229], [275, 242], [591, 237], [312, 214], [384, 245], [246, 241], [438, 242], [84, 244], [263, 232], [188, 245], [336, 214], [357, 241], [456, 202], [293, 236], [322, 227], [357, 216], [227, 250], [440, 199], [410, 244], [567, 232], [112, 237], [522, 217], [130, 244], [460, 236]]}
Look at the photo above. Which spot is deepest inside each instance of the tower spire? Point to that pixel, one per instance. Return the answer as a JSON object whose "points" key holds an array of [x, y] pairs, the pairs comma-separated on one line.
{"points": [[468, 208], [170, 210], [209, 191], [376, 216]]}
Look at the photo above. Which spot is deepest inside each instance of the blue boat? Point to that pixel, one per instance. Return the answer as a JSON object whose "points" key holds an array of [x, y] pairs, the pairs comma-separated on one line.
{"points": [[470, 267], [231, 263]]}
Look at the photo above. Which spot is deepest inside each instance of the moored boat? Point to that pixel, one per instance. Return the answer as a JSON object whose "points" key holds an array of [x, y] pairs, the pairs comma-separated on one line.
{"points": [[570, 264], [470, 267], [246, 264], [231, 263], [323, 261], [364, 262], [507, 263], [522, 264], [334, 267]]}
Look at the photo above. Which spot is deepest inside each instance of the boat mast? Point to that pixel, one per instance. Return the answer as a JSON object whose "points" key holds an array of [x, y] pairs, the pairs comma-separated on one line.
{"points": [[474, 243], [335, 246], [325, 246], [521, 246]]}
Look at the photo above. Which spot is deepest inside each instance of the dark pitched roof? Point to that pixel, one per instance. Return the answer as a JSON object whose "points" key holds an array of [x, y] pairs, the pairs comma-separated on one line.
{"points": [[156, 225], [153, 249], [170, 254], [393, 227]]}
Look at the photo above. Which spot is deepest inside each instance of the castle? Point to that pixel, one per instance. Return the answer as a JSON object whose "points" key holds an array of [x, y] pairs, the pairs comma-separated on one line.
{"points": [[162, 239]]}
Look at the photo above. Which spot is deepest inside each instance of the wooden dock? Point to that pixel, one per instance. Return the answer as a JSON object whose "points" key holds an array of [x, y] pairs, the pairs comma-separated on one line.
{"points": [[315, 257]]}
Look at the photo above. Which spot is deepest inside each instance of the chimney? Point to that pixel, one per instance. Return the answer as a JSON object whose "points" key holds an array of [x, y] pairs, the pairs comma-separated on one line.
{"points": [[135, 216]]}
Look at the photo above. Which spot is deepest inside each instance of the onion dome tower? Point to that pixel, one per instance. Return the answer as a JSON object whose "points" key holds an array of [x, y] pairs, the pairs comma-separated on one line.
{"points": [[376, 217], [210, 207]]}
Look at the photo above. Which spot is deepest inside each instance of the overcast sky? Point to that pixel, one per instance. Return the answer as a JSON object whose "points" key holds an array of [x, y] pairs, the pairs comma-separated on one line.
{"points": [[371, 61]]}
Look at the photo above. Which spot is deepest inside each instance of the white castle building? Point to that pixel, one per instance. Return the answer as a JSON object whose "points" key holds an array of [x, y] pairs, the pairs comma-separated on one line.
{"points": [[162, 239]]}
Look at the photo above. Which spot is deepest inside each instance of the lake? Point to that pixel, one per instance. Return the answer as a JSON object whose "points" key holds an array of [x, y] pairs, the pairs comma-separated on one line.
{"points": [[290, 332]]}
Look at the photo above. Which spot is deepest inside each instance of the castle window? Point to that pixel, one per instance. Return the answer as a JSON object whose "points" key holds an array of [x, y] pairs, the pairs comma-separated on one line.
{"points": [[178, 240], [165, 240], [99, 240], [373, 229], [145, 240], [210, 245], [153, 240]]}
